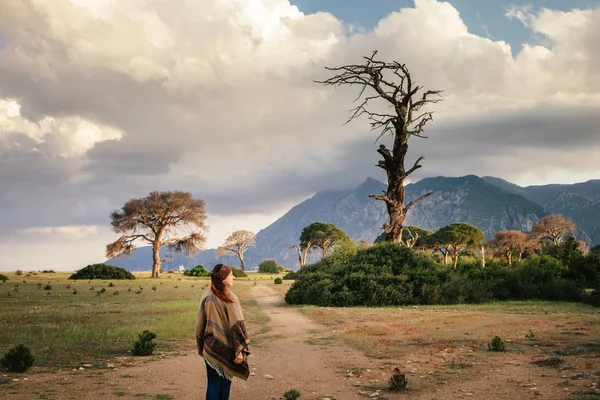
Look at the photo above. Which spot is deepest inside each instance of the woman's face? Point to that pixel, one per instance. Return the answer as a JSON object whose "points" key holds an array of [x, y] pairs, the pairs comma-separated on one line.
{"points": [[229, 280]]}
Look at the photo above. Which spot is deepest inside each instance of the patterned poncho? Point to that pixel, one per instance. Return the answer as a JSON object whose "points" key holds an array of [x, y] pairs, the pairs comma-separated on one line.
{"points": [[221, 335]]}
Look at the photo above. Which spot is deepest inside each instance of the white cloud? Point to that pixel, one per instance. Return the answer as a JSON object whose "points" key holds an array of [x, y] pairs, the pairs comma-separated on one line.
{"points": [[102, 101]]}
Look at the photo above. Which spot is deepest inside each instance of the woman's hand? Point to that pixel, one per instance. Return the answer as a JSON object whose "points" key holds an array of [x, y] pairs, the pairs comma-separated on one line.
{"points": [[239, 358]]}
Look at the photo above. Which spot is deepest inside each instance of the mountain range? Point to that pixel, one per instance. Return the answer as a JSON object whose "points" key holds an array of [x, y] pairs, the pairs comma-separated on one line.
{"points": [[490, 203]]}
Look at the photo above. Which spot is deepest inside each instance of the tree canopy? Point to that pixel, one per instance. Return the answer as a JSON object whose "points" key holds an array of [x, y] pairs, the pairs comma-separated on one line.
{"points": [[553, 228], [457, 238], [172, 218], [507, 244], [323, 236], [236, 245]]}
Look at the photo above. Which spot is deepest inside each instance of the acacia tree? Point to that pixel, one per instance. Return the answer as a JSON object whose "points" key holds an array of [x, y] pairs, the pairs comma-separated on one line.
{"points": [[302, 253], [158, 219], [507, 244], [458, 238], [322, 236], [553, 228], [391, 84], [236, 245]]}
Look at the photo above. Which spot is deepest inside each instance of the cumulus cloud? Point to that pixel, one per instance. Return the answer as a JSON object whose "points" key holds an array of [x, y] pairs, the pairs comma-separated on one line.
{"points": [[102, 101]]}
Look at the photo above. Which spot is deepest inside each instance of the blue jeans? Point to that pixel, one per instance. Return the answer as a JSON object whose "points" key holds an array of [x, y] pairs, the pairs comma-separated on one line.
{"points": [[217, 387]]}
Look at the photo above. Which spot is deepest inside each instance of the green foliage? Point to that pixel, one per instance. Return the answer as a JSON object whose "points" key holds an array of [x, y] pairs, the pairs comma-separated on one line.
{"points": [[391, 274], [268, 267], [102, 271], [281, 269], [145, 345], [278, 281], [595, 249], [291, 395], [238, 273], [47, 287], [322, 236], [198, 270], [3, 278], [497, 344], [567, 252], [18, 359]]}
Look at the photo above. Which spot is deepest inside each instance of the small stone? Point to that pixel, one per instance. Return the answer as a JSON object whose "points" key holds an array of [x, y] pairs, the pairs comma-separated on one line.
{"points": [[350, 374], [81, 368], [269, 377], [87, 366], [15, 380], [363, 393], [252, 374], [374, 395]]}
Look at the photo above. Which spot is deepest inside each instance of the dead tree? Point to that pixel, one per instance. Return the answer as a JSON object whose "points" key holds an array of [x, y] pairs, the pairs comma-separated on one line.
{"points": [[405, 118]]}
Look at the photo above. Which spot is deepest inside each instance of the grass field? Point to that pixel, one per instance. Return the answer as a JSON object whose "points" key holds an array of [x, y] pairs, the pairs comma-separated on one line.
{"points": [[67, 323]]}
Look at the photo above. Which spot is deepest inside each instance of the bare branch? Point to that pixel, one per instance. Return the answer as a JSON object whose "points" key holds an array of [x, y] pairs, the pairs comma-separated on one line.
{"points": [[415, 167], [415, 201]]}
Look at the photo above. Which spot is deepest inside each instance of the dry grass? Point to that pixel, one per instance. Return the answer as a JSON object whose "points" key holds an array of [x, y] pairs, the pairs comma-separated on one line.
{"points": [[64, 328]]}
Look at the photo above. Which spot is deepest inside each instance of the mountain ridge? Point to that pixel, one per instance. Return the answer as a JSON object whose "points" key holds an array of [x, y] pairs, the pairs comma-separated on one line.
{"points": [[490, 203]]}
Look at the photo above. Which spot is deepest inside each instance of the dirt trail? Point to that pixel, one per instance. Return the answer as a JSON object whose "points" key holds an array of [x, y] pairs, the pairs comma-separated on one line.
{"points": [[286, 357]]}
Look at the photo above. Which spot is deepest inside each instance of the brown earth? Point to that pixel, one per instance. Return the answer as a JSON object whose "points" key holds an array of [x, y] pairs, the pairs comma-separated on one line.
{"points": [[299, 354]]}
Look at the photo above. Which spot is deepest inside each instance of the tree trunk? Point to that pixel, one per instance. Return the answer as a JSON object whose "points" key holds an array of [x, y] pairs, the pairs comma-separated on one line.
{"points": [[395, 193], [509, 258], [156, 259], [445, 253], [482, 256], [242, 263]]}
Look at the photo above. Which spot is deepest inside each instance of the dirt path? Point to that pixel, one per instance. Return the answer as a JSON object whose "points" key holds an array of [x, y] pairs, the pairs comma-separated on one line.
{"points": [[283, 362]]}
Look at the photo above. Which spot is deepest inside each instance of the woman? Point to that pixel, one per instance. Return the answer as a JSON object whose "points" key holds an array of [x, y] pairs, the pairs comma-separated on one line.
{"points": [[221, 335]]}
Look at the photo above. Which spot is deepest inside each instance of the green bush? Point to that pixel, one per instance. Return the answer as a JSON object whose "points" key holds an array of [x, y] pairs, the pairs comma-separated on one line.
{"points": [[18, 359], [102, 271], [145, 345], [268, 267], [198, 270], [291, 395], [238, 273], [278, 281], [3, 278], [390, 274], [497, 344]]}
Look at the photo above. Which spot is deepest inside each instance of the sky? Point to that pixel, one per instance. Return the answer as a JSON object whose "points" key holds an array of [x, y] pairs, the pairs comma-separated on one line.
{"points": [[102, 101]]}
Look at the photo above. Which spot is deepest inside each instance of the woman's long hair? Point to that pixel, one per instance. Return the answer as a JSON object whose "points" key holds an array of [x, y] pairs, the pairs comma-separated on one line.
{"points": [[219, 273]]}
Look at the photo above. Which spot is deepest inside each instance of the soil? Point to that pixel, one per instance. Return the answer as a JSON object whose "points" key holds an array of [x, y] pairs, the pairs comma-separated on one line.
{"points": [[297, 356]]}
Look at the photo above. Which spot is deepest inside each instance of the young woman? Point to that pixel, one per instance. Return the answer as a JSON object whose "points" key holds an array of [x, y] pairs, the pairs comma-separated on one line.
{"points": [[221, 335]]}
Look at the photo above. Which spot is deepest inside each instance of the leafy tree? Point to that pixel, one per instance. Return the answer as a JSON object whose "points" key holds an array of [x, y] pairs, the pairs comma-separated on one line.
{"points": [[567, 252], [411, 236], [236, 245], [595, 249], [159, 219], [553, 228], [507, 244], [458, 238], [390, 84], [268, 267], [322, 236]]}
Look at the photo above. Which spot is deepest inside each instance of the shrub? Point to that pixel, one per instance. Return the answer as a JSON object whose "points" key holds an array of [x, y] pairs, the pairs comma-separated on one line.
{"points": [[198, 270], [18, 359], [397, 381], [102, 271], [3, 278], [497, 344], [268, 267], [282, 270], [19, 272], [238, 273], [278, 281], [145, 345], [291, 395]]}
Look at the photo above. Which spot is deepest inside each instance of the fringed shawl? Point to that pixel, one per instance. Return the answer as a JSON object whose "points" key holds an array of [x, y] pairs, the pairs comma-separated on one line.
{"points": [[221, 335]]}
